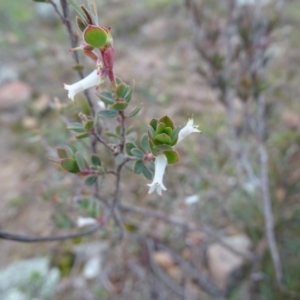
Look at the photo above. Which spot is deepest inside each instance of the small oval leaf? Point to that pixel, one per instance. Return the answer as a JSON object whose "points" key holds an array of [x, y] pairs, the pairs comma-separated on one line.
{"points": [[108, 113], [81, 163], [172, 157], [121, 90], [90, 180], [82, 135], [107, 98], [163, 139], [147, 173], [95, 160], [77, 127], [120, 105], [89, 125], [138, 167], [145, 143], [129, 147], [62, 153], [167, 121], [135, 111], [137, 153], [95, 36], [70, 165]]}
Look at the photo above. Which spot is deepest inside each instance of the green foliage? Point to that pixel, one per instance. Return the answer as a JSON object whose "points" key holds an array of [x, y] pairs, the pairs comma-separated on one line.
{"points": [[135, 111], [108, 113], [138, 167], [106, 97], [95, 160], [163, 135], [90, 180], [95, 36]]}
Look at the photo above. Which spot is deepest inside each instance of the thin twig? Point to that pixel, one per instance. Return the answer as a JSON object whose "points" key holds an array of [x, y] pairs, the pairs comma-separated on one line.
{"points": [[73, 41], [33, 239]]}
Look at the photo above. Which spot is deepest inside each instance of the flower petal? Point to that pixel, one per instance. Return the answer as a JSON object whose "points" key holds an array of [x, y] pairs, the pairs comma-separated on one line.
{"points": [[82, 222], [187, 130], [89, 81], [157, 183]]}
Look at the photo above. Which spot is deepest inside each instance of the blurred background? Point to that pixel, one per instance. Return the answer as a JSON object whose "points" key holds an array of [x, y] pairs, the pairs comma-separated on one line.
{"points": [[154, 42]]}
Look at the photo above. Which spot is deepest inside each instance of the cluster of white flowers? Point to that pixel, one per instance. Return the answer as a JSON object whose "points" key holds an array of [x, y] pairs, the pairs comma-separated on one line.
{"points": [[161, 162]]}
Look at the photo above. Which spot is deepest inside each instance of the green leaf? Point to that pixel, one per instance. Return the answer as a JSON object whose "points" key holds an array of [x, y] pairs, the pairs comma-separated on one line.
{"points": [[120, 105], [129, 147], [89, 125], [163, 139], [90, 180], [78, 10], [145, 143], [172, 157], [118, 80], [81, 163], [138, 167], [137, 153], [107, 98], [81, 25], [136, 111], [153, 148], [147, 173], [174, 135], [82, 135], [153, 123], [95, 160], [77, 127], [128, 94], [62, 153], [121, 90], [163, 148], [108, 113], [72, 149], [160, 128], [168, 131], [95, 36], [167, 121], [151, 132], [70, 165]]}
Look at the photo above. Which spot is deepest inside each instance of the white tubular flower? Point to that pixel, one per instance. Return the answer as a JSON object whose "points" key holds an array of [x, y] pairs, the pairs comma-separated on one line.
{"points": [[89, 81], [83, 222], [187, 130], [160, 167]]}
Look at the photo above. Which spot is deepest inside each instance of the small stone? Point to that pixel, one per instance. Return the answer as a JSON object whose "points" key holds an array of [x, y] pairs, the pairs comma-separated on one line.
{"points": [[176, 274], [163, 259], [14, 94], [223, 264]]}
